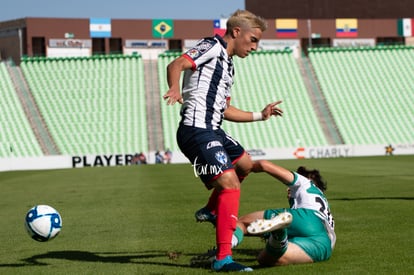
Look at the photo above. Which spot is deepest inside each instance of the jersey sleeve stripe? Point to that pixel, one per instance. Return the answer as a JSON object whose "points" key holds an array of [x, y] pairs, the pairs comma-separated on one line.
{"points": [[193, 65]]}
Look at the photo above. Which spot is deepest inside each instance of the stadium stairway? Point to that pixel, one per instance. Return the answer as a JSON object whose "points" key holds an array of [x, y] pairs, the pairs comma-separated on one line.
{"points": [[155, 136], [16, 136], [318, 100], [32, 112]]}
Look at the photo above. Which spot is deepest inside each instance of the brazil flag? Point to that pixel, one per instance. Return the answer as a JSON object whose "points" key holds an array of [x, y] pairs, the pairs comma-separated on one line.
{"points": [[162, 28]]}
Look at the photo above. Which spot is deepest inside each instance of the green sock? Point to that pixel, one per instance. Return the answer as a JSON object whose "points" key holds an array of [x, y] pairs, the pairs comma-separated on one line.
{"points": [[277, 243], [237, 237], [280, 235]]}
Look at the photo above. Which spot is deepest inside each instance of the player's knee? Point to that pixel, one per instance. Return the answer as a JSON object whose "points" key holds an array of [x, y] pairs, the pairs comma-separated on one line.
{"points": [[228, 180], [244, 166]]}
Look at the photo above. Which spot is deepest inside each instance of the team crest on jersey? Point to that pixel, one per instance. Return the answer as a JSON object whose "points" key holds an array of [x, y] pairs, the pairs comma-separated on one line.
{"points": [[221, 157]]}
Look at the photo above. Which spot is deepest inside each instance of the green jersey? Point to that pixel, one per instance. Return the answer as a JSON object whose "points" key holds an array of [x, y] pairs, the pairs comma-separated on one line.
{"points": [[305, 194]]}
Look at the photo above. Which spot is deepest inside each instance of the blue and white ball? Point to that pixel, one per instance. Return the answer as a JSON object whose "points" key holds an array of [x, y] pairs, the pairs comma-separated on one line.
{"points": [[43, 223]]}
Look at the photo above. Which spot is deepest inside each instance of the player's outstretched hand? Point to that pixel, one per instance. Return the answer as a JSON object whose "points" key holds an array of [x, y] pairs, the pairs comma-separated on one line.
{"points": [[173, 96], [272, 110]]}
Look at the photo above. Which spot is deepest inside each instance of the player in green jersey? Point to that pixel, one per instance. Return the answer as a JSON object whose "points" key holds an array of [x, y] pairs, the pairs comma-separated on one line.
{"points": [[303, 233]]}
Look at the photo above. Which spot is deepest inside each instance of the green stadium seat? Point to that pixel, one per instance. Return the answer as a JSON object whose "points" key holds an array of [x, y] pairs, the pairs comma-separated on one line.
{"points": [[366, 90], [92, 105]]}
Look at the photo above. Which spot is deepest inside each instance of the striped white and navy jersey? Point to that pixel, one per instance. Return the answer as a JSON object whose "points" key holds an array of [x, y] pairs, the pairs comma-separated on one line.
{"points": [[207, 86]]}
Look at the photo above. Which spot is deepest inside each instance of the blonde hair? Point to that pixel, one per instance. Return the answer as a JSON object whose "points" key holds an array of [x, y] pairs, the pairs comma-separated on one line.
{"points": [[244, 18]]}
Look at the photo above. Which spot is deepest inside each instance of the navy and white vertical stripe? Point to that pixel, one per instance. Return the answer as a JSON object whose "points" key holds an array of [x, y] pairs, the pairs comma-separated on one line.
{"points": [[207, 86]]}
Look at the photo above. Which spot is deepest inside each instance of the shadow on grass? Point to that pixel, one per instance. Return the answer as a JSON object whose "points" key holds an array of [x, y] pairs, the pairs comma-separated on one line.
{"points": [[371, 198], [146, 257], [160, 258]]}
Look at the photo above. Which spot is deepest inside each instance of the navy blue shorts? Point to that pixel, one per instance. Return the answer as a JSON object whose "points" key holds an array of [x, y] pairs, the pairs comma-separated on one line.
{"points": [[211, 152]]}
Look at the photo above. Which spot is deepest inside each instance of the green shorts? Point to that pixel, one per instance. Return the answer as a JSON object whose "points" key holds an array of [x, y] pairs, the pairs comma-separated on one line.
{"points": [[307, 231]]}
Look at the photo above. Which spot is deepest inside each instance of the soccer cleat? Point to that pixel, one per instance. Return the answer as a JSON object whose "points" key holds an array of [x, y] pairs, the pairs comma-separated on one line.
{"points": [[204, 215], [262, 226], [227, 264]]}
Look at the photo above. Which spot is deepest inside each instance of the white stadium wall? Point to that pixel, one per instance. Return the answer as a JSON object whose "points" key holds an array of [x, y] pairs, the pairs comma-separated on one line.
{"points": [[64, 52], [69, 48], [336, 151]]}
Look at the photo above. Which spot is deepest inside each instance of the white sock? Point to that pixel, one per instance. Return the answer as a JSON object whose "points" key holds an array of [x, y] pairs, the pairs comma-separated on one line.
{"points": [[234, 241]]}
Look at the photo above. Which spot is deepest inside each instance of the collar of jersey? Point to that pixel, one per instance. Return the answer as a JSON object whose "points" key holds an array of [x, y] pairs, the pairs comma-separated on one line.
{"points": [[221, 40]]}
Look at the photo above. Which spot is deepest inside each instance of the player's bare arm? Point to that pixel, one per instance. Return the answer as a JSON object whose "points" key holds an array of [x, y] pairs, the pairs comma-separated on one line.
{"points": [[174, 70], [274, 170], [236, 115]]}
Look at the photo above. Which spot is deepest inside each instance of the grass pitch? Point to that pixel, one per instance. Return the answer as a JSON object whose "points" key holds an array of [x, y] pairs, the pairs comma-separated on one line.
{"points": [[139, 219]]}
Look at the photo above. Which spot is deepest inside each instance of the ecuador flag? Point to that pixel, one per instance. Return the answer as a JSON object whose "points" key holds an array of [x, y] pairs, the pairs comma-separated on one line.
{"points": [[286, 28], [347, 27]]}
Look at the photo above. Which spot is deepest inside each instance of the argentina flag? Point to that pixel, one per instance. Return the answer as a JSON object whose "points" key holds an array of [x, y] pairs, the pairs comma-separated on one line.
{"points": [[100, 27]]}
